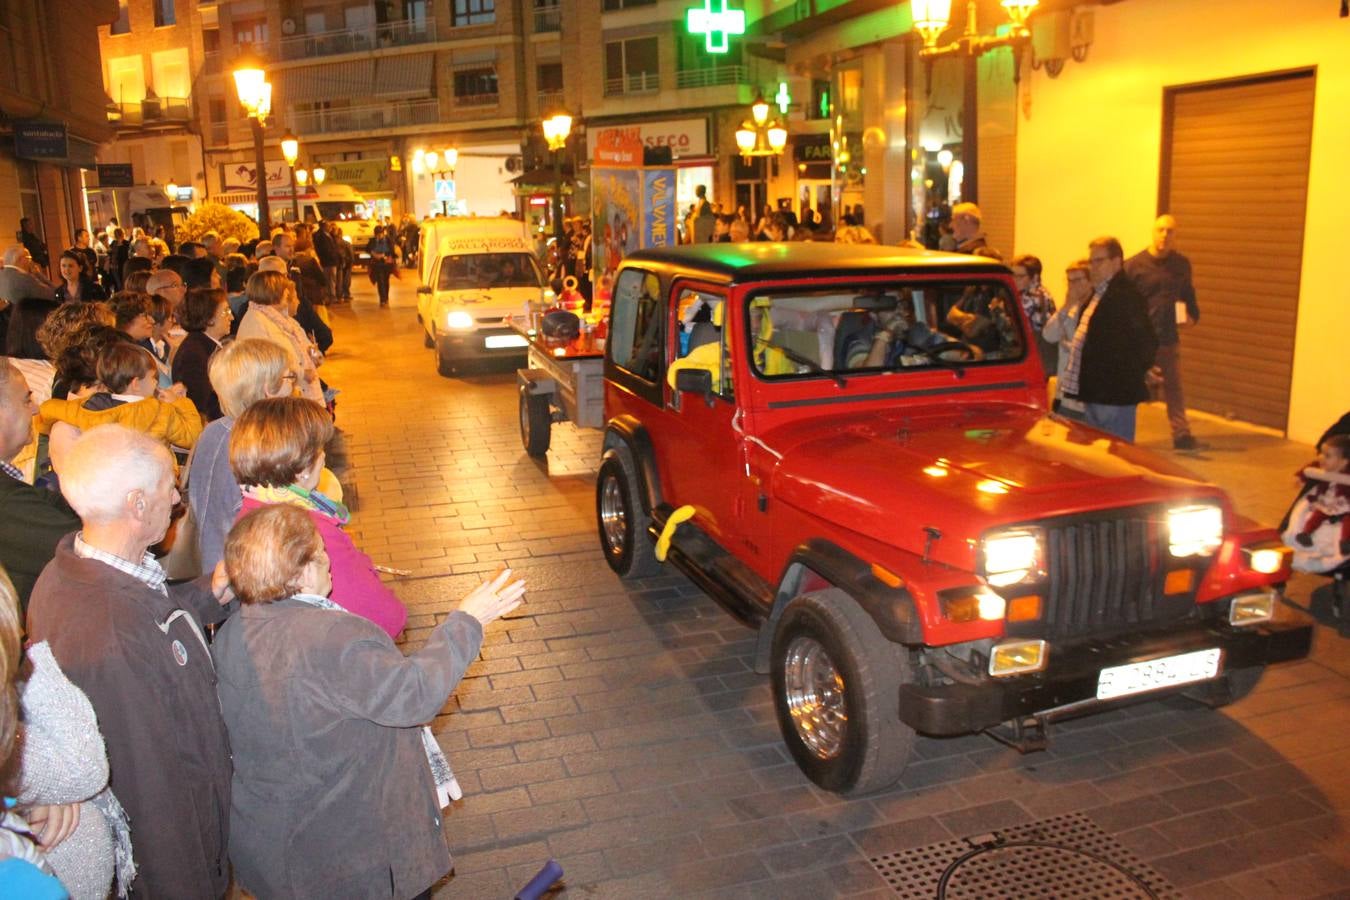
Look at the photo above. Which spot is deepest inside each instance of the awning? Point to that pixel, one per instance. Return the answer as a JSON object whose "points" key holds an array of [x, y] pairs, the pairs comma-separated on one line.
{"points": [[314, 84], [404, 76]]}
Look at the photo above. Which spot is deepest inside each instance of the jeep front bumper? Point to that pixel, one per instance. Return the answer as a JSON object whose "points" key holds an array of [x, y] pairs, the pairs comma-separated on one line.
{"points": [[1068, 685]]}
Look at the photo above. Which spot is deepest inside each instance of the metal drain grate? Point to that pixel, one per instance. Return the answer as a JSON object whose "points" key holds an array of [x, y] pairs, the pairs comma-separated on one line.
{"points": [[1056, 859]]}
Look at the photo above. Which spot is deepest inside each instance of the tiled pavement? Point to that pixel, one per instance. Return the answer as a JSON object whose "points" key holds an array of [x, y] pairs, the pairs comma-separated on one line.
{"points": [[620, 729]]}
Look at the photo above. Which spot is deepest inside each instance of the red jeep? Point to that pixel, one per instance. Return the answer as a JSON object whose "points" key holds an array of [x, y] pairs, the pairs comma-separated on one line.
{"points": [[862, 438]]}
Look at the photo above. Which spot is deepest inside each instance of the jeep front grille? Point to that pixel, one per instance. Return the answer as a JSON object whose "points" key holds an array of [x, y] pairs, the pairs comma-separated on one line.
{"points": [[1102, 574]]}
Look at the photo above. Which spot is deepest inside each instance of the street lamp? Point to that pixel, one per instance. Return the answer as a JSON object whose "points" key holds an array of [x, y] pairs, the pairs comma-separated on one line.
{"points": [[556, 129], [439, 166], [319, 173], [290, 150], [172, 190], [255, 94]]}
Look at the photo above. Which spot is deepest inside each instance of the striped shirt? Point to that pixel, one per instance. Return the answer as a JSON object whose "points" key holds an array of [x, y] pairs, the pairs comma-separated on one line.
{"points": [[148, 571]]}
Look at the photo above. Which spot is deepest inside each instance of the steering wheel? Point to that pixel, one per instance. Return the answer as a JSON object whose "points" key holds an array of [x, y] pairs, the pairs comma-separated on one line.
{"points": [[968, 351]]}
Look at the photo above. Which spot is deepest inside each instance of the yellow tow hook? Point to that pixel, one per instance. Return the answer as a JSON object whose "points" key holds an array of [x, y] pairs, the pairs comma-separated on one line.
{"points": [[681, 515]]}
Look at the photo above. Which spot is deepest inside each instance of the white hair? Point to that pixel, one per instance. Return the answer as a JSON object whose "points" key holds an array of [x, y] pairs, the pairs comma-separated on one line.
{"points": [[273, 264], [106, 464], [160, 280], [13, 254]]}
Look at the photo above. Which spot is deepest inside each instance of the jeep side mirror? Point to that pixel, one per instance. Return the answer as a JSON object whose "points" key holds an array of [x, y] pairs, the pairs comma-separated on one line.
{"points": [[694, 381], [423, 289]]}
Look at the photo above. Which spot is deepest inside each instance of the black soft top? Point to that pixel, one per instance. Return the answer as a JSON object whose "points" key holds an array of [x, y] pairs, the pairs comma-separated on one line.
{"points": [[771, 260]]}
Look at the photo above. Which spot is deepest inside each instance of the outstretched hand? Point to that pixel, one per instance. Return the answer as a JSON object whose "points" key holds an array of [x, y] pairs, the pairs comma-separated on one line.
{"points": [[493, 599]]}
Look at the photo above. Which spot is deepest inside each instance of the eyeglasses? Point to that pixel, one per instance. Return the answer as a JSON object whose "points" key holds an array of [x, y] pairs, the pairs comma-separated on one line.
{"points": [[1098, 260]]}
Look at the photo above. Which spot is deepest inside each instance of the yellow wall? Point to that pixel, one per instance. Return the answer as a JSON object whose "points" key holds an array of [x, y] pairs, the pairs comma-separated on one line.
{"points": [[1089, 143]]}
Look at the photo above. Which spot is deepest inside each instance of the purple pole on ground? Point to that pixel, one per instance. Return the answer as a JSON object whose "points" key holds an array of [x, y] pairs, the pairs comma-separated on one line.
{"points": [[548, 876]]}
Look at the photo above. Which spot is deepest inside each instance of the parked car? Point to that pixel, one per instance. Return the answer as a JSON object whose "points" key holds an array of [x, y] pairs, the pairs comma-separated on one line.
{"points": [[860, 440]]}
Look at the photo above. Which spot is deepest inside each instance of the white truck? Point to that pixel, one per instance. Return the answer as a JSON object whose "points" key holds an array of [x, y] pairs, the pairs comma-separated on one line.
{"points": [[473, 273]]}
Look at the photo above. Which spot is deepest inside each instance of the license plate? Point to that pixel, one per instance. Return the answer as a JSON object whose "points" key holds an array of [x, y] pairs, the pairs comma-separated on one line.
{"points": [[500, 341], [1136, 678]]}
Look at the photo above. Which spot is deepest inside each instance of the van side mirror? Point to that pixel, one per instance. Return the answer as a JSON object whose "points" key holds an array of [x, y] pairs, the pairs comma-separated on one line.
{"points": [[694, 381], [423, 289]]}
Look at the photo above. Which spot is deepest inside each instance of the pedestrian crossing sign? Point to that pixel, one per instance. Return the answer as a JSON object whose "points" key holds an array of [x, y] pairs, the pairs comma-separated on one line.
{"points": [[445, 190]]}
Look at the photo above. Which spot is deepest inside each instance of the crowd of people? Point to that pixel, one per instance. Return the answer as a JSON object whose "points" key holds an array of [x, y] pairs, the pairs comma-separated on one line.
{"points": [[209, 655]]}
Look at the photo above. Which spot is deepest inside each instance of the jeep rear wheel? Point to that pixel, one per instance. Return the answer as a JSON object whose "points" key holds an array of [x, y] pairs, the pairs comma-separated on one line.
{"points": [[836, 685], [536, 423], [622, 520]]}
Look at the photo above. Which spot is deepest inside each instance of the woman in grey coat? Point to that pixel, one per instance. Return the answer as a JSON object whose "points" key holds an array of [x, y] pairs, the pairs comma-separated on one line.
{"points": [[334, 793]]}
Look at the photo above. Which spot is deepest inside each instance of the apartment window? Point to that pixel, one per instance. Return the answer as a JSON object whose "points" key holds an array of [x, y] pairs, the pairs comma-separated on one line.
{"points": [[475, 12], [550, 77], [250, 31], [611, 5], [164, 13], [632, 66], [215, 109], [476, 86], [123, 23], [416, 12]]}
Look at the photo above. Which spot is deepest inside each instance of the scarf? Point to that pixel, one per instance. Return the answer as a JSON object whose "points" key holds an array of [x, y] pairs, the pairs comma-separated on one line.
{"points": [[447, 786], [305, 351], [295, 495]]}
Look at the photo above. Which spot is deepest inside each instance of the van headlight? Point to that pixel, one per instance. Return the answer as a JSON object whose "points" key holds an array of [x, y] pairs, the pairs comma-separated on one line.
{"points": [[459, 319], [1194, 530], [1012, 556]]}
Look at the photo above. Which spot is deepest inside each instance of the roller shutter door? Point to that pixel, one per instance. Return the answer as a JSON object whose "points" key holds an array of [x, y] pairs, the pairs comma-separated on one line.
{"points": [[1235, 175]]}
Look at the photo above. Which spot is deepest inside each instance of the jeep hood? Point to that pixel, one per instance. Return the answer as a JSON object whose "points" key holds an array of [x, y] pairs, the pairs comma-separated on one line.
{"points": [[961, 469]]}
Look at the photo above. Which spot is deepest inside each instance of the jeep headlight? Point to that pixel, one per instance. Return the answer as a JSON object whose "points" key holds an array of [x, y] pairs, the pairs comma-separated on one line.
{"points": [[459, 319], [1194, 530], [1012, 556]]}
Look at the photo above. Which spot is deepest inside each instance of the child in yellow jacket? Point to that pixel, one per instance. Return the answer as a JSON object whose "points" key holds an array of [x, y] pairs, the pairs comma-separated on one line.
{"points": [[129, 396]]}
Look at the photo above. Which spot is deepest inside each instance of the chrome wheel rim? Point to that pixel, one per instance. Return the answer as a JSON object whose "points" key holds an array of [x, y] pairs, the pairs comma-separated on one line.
{"points": [[814, 691], [613, 516]]}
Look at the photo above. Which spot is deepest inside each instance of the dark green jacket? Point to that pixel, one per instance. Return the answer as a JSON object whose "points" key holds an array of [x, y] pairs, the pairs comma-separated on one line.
{"points": [[32, 521]]}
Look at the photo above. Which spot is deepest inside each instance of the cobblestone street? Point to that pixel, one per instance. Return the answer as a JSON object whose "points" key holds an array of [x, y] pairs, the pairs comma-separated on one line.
{"points": [[620, 729]]}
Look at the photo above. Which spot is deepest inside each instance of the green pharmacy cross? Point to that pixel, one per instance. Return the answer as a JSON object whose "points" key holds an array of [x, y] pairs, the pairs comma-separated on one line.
{"points": [[716, 23], [783, 98]]}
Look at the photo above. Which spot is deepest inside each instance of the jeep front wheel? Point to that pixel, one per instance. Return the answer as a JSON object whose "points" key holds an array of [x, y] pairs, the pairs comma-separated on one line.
{"points": [[836, 685], [622, 521]]}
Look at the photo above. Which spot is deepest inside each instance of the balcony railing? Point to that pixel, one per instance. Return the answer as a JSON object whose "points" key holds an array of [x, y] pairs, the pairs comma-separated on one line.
{"points": [[151, 111], [549, 100], [636, 83], [365, 118], [547, 18], [476, 99], [712, 76], [355, 40]]}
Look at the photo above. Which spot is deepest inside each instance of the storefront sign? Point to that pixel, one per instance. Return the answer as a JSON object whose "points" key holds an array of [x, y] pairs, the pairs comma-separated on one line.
{"points": [[244, 177], [809, 148], [40, 140], [623, 146], [366, 176], [115, 175]]}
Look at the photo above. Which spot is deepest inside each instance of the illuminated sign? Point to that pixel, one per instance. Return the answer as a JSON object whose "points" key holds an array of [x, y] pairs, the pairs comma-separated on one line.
{"points": [[716, 22]]}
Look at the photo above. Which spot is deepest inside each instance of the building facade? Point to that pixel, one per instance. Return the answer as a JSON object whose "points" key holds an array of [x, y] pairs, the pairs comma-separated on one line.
{"points": [[53, 115]]}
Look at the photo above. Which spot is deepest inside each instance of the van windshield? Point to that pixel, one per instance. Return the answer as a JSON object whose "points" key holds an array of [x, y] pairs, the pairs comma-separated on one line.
{"points": [[488, 270], [342, 209]]}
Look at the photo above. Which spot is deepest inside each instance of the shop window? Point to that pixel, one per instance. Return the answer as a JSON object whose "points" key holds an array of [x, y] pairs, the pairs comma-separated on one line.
{"points": [[632, 66], [475, 12], [476, 86], [165, 13], [123, 23], [637, 329]]}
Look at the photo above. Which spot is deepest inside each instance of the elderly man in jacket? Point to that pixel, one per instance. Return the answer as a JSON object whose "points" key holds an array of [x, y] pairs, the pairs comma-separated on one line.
{"points": [[137, 648], [1113, 347]]}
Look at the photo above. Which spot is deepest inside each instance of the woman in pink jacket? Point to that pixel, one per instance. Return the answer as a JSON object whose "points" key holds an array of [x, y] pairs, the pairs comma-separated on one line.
{"points": [[276, 452]]}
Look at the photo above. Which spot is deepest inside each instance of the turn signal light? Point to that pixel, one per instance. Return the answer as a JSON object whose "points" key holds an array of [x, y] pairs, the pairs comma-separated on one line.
{"points": [[1267, 559], [1017, 658], [1024, 609], [886, 576], [981, 604], [1179, 581]]}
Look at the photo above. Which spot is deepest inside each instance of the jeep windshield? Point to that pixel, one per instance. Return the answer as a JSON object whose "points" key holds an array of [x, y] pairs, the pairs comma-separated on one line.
{"points": [[489, 270], [876, 328], [343, 210]]}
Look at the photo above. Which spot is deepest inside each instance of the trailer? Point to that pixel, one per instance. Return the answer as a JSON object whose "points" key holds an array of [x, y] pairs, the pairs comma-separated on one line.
{"points": [[562, 382]]}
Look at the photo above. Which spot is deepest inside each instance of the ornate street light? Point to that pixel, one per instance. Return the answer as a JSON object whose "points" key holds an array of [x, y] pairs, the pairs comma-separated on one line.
{"points": [[255, 95], [556, 129], [438, 165], [302, 177], [319, 173], [758, 136], [931, 18], [290, 150]]}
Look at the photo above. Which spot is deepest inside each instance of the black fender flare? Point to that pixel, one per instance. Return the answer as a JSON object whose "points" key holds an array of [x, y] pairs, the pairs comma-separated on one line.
{"points": [[891, 608], [628, 433]]}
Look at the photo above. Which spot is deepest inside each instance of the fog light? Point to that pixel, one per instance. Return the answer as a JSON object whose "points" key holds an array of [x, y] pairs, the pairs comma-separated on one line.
{"points": [[1252, 609], [1266, 560], [1017, 657]]}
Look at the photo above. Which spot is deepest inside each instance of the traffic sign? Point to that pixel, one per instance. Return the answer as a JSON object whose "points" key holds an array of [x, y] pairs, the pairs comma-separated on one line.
{"points": [[445, 190]]}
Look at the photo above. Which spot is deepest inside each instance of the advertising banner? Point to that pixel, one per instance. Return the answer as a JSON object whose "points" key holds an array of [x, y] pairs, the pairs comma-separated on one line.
{"points": [[631, 209], [623, 145], [658, 189]]}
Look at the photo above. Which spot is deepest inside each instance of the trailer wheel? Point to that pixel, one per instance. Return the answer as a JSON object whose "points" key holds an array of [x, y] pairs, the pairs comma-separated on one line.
{"points": [[836, 683], [536, 423]]}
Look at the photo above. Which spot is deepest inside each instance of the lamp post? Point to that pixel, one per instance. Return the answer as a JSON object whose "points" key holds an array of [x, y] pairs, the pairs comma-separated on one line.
{"points": [[429, 162], [290, 150], [556, 129], [255, 94]]}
